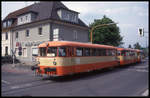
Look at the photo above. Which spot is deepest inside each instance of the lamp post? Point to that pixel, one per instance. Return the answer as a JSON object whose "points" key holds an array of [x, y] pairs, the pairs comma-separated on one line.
{"points": [[146, 42], [98, 26]]}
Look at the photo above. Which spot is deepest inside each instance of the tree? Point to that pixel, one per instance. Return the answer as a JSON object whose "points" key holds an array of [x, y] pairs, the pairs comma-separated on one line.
{"points": [[107, 35], [130, 46], [137, 46]]}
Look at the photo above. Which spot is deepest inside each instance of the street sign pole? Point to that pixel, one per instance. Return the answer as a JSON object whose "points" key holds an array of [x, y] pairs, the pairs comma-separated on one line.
{"points": [[13, 55]]}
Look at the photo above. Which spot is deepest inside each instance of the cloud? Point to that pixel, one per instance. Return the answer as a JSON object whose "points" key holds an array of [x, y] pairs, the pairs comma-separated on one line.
{"points": [[141, 11], [127, 25]]}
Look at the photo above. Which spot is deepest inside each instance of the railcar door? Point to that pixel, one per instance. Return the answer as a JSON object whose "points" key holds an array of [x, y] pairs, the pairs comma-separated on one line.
{"points": [[71, 58]]}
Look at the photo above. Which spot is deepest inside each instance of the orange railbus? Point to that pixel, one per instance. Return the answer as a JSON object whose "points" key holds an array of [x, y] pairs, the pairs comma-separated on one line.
{"points": [[59, 58], [128, 56]]}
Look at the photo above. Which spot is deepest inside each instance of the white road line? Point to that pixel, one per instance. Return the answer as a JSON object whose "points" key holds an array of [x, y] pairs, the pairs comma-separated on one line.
{"points": [[25, 85], [145, 93], [140, 70], [20, 86], [5, 82]]}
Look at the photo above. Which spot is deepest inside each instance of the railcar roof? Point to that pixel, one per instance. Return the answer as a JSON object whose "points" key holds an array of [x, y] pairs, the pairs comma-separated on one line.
{"points": [[128, 49], [76, 44]]}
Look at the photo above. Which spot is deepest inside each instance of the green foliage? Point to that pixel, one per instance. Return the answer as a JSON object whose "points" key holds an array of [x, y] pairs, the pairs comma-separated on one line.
{"points": [[137, 46], [129, 46], [107, 35]]}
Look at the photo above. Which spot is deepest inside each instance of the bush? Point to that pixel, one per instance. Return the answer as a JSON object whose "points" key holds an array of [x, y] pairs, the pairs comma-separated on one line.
{"points": [[9, 59]]}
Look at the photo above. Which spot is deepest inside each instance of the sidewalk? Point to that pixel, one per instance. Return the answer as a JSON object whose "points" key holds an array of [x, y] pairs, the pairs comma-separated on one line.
{"points": [[18, 68]]}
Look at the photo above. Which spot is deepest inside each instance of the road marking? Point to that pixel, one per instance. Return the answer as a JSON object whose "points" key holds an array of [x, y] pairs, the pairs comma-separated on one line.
{"points": [[20, 86], [140, 70], [142, 67], [25, 85], [5, 82], [145, 93]]}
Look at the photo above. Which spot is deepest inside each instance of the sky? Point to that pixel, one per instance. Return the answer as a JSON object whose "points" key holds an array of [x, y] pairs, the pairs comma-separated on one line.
{"points": [[129, 15]]}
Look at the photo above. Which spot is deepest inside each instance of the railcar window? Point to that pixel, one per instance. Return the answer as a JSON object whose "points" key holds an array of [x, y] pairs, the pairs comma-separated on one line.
{"points": [[109, 52], [113, 52], [103, 52], [86, 52], [118, 53], [42, 51], [99, 52], [52, 51], [93, 52], [126, 53], [79, 52], [62, 51], [123, 53], [132, 53], [135, 53]]}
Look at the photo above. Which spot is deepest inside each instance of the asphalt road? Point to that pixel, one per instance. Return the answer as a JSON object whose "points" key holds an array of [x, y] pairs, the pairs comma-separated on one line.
{"points": [[129, 80]]}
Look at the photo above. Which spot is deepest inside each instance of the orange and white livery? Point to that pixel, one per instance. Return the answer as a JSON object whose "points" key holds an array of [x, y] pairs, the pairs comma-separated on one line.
{"points": [[63, 57], [59, 58], [128, 56]]}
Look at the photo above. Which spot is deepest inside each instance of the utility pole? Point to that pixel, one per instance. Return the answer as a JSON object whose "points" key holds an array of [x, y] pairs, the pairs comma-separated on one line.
{"points": [[146, 44]]}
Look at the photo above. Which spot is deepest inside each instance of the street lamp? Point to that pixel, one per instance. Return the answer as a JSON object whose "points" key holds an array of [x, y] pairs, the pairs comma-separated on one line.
{"points": [[99, 26]]}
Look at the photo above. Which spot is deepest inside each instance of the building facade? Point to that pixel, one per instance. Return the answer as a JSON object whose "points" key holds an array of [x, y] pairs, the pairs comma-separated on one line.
{"points": [[40, 22]]}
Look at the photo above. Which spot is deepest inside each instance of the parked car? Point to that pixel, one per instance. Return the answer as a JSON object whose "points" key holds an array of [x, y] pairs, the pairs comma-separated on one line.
{"points": [[9, 59]]}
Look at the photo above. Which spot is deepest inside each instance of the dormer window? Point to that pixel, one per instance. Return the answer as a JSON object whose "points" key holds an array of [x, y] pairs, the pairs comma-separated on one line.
{"points": [[68, 15], [21, 19], [4, 24], [26, 17], [9, 23]]}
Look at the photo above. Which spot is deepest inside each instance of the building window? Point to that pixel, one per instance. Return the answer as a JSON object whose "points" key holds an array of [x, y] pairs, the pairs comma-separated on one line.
{"points": [[40, 31], [27, 33], [24, 52], [34, 51], [6, 50], [9, 23], [66, 15], [21, 19], [4, 25], [56, 34], [75, 35], [6, 36], [26, 17], [16, 34]]}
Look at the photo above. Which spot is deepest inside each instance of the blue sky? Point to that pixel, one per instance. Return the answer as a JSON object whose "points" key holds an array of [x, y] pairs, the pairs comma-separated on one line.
{"points": [[129, 15]]}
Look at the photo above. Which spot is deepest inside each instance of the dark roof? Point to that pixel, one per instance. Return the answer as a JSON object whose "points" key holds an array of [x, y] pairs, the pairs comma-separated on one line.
{"points": [[45, 10]]}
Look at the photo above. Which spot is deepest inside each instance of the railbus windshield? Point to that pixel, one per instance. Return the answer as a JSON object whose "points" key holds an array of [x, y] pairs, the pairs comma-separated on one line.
{"points": [[52, 51], [42, 51]]}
